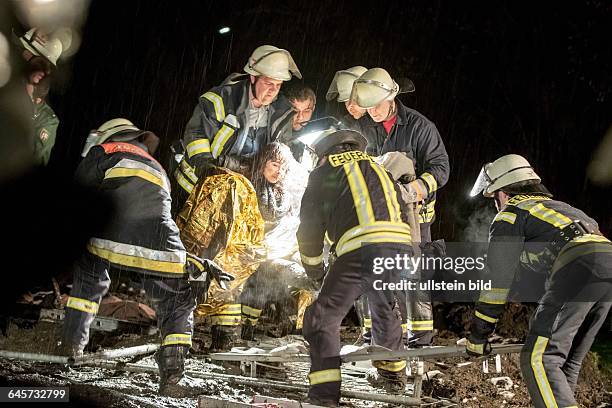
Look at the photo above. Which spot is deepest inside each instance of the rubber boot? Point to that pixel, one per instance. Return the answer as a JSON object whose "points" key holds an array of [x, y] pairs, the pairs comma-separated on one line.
{"points": [[223, 338], [171, 363], [391, 382], [70, 350], [248, 332]]}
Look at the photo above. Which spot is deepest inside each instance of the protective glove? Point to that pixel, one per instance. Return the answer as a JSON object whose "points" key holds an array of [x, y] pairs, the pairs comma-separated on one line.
{"points": [[202, 269], [316, 273], [477, 343]]}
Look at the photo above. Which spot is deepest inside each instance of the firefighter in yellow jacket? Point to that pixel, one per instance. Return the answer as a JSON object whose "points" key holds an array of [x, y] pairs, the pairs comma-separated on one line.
{"points": [[535, 233], [355, 201]]}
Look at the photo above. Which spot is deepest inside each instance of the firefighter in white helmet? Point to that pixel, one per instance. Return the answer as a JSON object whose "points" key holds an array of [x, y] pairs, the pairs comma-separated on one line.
{"points": [[41, 53], [392, 127], [142, 238], [534, 233], [234, 120]]}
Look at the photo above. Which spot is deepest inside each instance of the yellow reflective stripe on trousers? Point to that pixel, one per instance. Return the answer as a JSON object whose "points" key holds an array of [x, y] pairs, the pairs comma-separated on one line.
{"points": [[183, 182], [229, 320], [420, 325], [476, 348], [392, 366], [198, 146], [430, 180], [485, 317], [311, 260], [251, 311], [230, 308], [540, 374], [360, 193], [138, 257], [221, 139], [83, 305], [134, 168], [505, 216], [494, 296], [177, 338], [367, 323], [390, 193], [324, 376], [217, 102], [404, 328]]}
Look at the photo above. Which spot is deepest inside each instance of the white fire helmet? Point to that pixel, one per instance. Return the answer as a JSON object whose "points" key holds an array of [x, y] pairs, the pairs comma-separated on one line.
{"points": [[342, 84], [111, 128], [50, 49], [273, 62], [373, 87], [503, 172]]}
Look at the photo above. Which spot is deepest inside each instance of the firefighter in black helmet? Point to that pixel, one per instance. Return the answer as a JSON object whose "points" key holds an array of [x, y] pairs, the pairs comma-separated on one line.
{"points": [[355, 201]]}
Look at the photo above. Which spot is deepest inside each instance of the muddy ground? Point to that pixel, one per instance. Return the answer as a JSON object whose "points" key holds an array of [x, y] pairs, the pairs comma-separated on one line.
{"points": [[457, 380]]}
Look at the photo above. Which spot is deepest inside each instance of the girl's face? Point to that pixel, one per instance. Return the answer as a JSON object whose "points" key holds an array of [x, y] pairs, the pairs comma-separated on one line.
{"points": [[272, 171]]}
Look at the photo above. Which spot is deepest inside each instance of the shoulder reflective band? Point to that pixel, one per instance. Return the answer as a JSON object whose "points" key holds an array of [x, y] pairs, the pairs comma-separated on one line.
{"points": [[221, 139], [540, 374], [420, 325], [133, 168], [432, 184], [495, 296], [177, 338], [324, 376], [82, 305], [311, 260], [392, 366], [217, 102], [486, 318], [547, 215], [505, 216], [390, 193], [138, 257], [198, 146], [361, 195]]}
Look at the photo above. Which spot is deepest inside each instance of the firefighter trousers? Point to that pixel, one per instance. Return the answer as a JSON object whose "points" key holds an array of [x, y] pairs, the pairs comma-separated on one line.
{"points": [[562, 330], [350, 276], [415, 308], [171, 298]]}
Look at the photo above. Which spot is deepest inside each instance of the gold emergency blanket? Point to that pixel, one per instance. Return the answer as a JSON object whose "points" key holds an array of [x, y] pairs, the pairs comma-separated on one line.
{"points": [[224, 207], [304, 298]]}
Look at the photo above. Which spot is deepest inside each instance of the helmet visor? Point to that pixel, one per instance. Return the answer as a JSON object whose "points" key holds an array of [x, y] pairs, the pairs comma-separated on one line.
{"points": [[482, 182]]}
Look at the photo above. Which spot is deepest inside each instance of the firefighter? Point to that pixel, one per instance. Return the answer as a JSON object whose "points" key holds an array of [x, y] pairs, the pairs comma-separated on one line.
{"points": [[142, 238], [533, 232], [354, 200], [395, 128], [340, 90], [234, 120], [41, 54]]}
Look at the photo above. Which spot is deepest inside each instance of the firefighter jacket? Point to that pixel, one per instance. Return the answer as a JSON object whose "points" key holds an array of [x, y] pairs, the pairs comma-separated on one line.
{"points": [[221, 133], [541, 235], [45, 130], [417, 136], [354, 200], [142, 236]]}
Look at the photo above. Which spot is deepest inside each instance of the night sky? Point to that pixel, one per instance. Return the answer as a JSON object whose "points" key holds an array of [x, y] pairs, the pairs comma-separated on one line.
{"points": [[533, 78]]}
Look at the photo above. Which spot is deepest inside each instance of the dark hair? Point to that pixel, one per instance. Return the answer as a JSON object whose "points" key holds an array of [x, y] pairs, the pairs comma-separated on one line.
{"points": [[526, 187], [274, 151], [300, 92]]}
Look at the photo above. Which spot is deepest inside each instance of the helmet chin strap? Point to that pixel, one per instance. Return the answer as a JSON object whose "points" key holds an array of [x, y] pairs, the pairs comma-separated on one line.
{"points": [[391, 111]]}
